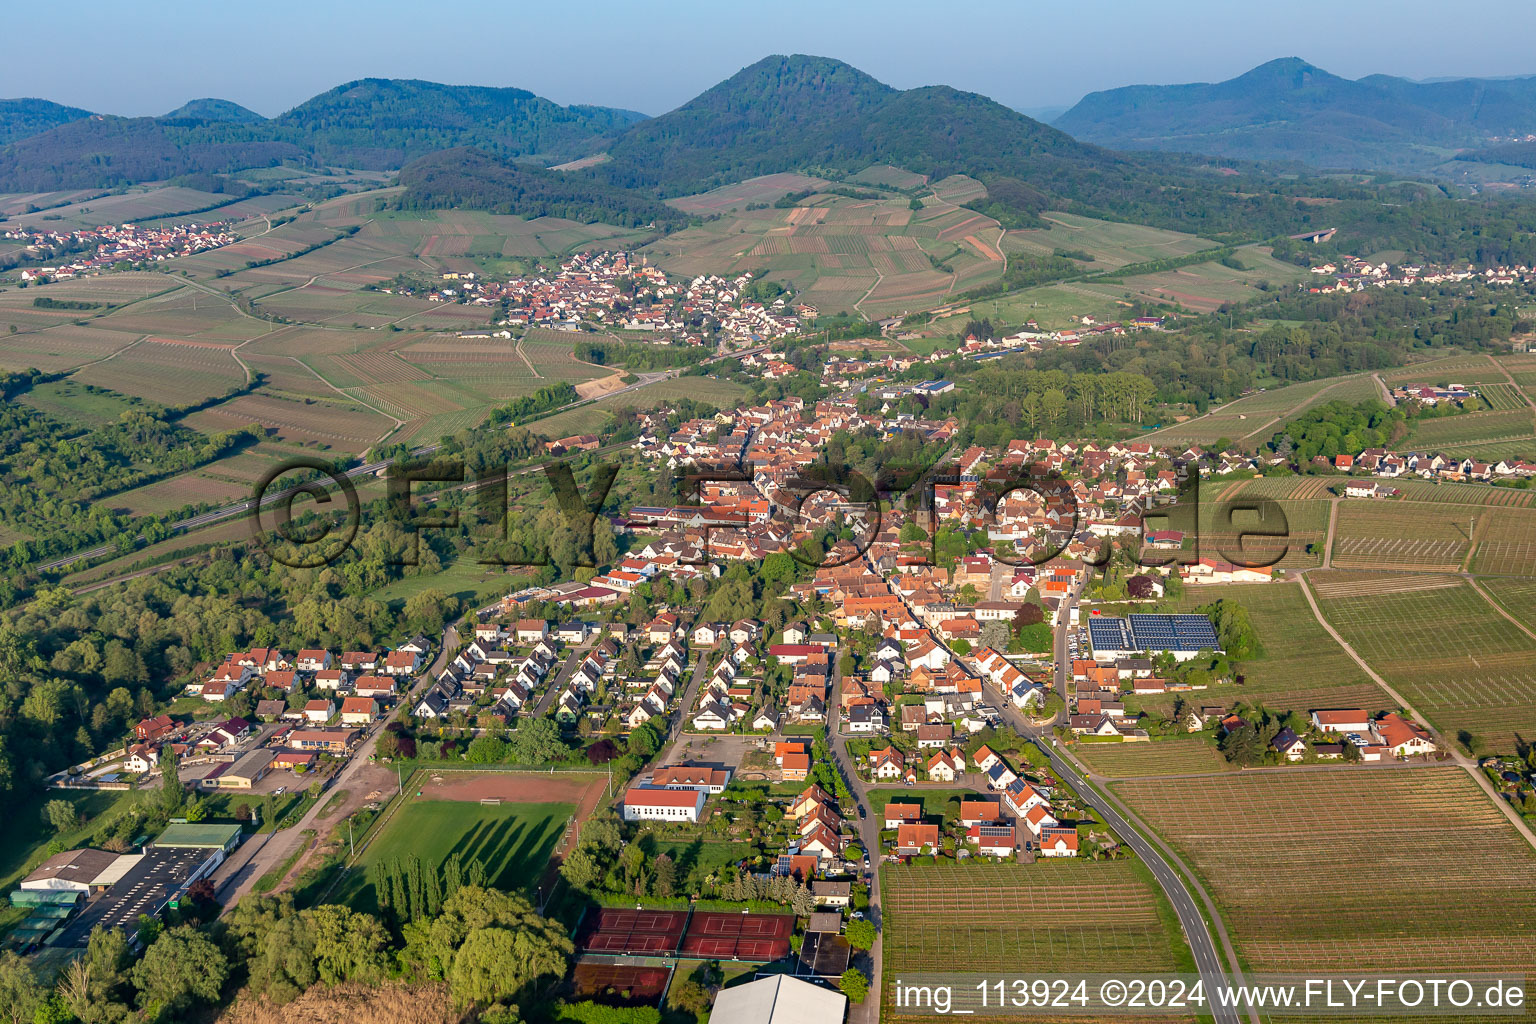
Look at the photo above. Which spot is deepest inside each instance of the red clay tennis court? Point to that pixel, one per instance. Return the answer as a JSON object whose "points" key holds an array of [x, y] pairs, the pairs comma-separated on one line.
{"points": [[761, 937], [619, 984], [654, 932]]}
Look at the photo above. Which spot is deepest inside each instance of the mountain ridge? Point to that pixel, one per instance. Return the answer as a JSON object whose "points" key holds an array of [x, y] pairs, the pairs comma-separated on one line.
{"points": [[1291, 109]]}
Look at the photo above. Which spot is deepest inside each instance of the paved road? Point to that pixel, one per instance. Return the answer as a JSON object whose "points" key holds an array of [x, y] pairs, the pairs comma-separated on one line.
{"points": [[1196, 933], [867, 1012], [578, 653], [690, 694], [260, 854]]}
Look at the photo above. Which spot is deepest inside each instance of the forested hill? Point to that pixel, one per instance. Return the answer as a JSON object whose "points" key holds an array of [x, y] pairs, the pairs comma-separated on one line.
{"points": [[374, 123], [21, 118], [471, 179], [209, 109], [820, 115], [1289, 109], [809, 112], [384, 123], [105, 152]]}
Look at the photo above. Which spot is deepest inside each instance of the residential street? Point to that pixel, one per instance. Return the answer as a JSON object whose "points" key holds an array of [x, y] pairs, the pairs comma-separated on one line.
{"points": [[869, 834], [261, 853]]}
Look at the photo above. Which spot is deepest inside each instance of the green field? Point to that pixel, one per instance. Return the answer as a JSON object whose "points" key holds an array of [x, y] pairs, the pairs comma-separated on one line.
{"points": [[1183, 755], [463, 578], [1301, 666], [72, 402], [1439, 643], [1201, 288], [590, 418], [513, 841], [872, 256], [1112, 245], [1250, 420], [23, 842], [1300, 863]]}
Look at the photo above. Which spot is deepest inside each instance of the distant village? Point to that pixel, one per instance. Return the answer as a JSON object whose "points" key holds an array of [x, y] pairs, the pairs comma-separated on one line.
{"points": [[103, 247], [1353, 274], [621, 292]]}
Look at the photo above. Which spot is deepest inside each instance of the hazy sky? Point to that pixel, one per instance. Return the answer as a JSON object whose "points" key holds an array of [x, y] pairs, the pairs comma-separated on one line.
{"points": [[149, 57]]}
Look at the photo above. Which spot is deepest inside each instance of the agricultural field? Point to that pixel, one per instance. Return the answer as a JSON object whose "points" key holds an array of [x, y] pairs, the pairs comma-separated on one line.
{"points": [[1439, 643], [886, 176], [1516, 596], [1401, 535], [768, 188], [1111, 245], [1053, 917], [1490, 435], [1301, 666], [1301, 862], [1455, 369], [1298, 539], [145, 205], [877, 257], [1250, 420], [590, 418], [1183, 755], [1505, 542], [1201, 288], [168, 371]]}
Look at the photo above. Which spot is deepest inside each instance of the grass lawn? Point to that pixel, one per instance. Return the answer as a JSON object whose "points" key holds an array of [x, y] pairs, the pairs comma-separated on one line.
{"points": [[463, 578], [699, 855], [23, 842], [513, 841], [72, 402], [936, 803]]}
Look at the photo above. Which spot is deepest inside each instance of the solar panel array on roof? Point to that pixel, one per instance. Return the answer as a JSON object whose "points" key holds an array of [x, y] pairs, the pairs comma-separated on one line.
{"points": [[1110, 634], [1173, 632], [996, 831], [1142, 632]]}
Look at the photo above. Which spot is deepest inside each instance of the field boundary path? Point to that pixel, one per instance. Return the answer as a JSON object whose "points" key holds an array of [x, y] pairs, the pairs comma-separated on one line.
{"points": [[1461, 759]]}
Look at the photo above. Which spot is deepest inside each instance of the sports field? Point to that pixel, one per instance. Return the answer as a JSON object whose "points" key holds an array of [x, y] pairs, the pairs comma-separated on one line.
{"points": [[443, 814], [1351, 868], [1440, 643]]}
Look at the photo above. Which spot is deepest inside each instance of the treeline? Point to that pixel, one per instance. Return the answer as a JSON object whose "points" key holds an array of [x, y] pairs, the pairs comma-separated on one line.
{"points": [[638, 356], [471, 179], [1208, 361], [55, 479], [997, 404], [550, 396]]}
